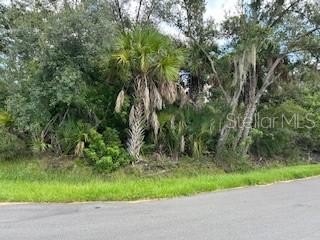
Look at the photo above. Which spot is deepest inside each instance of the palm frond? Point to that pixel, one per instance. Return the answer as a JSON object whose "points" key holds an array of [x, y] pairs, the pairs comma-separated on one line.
{"points": [[119, 101], [122, 56], [170, 64], [5, 118], [182, 144], [169, 91], [155, 124], [157, 99]]}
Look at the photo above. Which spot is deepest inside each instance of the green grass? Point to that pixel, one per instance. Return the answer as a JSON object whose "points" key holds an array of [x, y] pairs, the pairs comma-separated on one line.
{"points": [[26, 182]]}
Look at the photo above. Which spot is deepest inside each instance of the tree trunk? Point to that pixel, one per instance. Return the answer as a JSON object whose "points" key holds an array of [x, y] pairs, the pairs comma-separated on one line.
{"points": [[224, 134], [248, 118], [225, 130], [246, 126]]}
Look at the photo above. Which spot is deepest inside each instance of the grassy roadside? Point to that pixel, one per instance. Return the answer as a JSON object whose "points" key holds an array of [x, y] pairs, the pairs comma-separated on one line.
{"points": [[23, 183]]}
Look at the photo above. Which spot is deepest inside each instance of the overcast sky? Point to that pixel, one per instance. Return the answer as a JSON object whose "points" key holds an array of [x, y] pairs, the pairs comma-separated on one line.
{"points": [[215, 8], [4, 1], [218, 8]]}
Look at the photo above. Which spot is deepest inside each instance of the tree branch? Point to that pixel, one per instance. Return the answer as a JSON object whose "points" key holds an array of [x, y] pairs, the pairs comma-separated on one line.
{"points": [[151, 8], [213, 68], [119, 12], [269, 77], [139, 9], [283, 13]]}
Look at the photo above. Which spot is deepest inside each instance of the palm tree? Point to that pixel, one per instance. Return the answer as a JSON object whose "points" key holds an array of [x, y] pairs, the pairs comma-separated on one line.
{"points": [[154, 63]]}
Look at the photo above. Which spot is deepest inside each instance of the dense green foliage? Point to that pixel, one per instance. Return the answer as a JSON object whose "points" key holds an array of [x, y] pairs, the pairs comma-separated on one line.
{"points": [[10, 145], [104, 154], [86, 79]]}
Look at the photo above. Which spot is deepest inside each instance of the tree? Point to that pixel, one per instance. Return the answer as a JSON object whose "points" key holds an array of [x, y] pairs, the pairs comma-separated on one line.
{"points": [[146, 12], [272, 34], [188, 17], [154, 63], [291, 42], [54, 64], [262, 37]]}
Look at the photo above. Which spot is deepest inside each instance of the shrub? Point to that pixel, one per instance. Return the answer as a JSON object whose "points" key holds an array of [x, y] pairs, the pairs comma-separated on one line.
{"points": [[5, 119], [273, 142], [233, 160], [73, 135], [38, 145], [103, 156], [190, 130], [10, 145], [111, 136], [279, 136]]}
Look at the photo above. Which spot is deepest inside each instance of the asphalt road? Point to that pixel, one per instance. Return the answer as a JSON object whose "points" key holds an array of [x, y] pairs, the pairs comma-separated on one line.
{"points": [[288, 211]]}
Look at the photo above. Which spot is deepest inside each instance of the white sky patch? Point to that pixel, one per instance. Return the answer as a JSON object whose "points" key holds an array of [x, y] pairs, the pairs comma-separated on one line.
{"points": [[215, 9], [4, 2], [219, 9], [172, 31]]}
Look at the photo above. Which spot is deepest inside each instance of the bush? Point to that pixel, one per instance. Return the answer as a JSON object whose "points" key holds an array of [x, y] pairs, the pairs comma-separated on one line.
{"points": [[103, 156], [10, 145], [72, 136], [5, 119], [188, 130], [274, 142], [111, 136], [233, 160], [278, 136]]}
